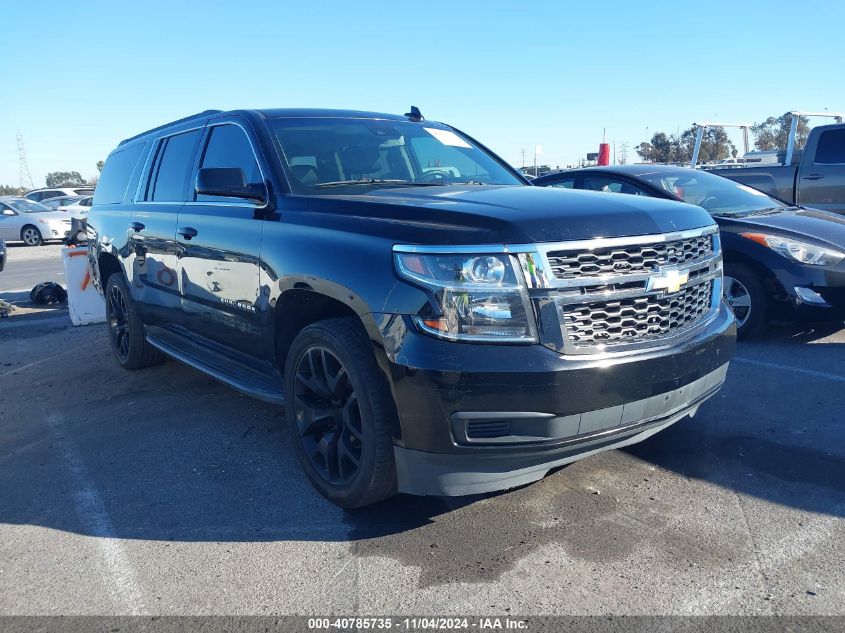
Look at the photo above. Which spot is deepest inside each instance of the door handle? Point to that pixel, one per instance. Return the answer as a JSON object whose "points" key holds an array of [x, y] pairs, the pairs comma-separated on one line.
{"points": [[813, 177], [187, 232], [137, 226]]}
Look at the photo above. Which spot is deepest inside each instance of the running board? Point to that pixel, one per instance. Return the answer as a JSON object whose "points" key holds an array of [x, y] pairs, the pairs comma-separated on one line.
{"points": [[248, 380]]}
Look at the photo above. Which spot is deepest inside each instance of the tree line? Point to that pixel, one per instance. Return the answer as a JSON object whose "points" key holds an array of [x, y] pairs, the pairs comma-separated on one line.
{"points": [[770, 134], [56, 179]]}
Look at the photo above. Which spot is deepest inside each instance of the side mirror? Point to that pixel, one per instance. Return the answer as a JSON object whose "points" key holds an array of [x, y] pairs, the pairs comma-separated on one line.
{"points": [[228, 182]]}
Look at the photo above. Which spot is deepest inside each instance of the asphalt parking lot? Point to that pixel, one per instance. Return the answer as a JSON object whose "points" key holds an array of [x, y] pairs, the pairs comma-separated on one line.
{"points": [[28, 265], [163, 492]]}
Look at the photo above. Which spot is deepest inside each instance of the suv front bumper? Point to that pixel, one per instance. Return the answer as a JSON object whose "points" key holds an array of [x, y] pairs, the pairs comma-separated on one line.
{"points": [[477, 418]]}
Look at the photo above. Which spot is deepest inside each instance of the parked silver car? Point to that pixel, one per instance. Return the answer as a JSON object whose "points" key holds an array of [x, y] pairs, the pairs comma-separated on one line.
{"points": [[57, 202], [37, 195], [31, 222], [77, 208]]}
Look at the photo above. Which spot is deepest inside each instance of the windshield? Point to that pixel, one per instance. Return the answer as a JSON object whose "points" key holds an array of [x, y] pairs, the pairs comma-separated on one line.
{"points": [[339, 155], [23, 205], [715, 194]]}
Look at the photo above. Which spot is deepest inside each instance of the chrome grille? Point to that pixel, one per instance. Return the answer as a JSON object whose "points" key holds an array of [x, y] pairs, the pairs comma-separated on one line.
{"points": [[624, 293], [628, 259], [636, 318]]}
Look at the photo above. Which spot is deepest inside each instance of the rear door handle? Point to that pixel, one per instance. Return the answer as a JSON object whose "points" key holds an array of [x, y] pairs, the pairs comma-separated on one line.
{"points": [[187, 232], [137, 226], [813, 177]]}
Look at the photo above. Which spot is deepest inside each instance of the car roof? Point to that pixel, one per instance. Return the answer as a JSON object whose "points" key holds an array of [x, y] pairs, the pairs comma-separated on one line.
{"points": [[71, 188], [271, 113], [280, 113], [14, 198], [640, 169]]}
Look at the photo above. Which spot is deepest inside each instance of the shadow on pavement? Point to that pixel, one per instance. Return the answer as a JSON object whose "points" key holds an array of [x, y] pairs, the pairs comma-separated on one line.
{"points": [[169, 454]]}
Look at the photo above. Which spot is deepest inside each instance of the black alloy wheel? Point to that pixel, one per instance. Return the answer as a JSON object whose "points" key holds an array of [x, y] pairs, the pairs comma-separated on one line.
{"points": [[125, 327], [117, 315], [341, 413], [328, 416]]}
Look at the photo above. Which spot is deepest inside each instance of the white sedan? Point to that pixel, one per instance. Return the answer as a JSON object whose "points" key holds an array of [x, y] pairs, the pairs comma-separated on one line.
{"points": [[78, 208], [30, 222]]}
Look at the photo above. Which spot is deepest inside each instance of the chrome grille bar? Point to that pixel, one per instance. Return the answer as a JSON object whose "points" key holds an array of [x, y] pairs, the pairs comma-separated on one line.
{"points": [[616, 311]]}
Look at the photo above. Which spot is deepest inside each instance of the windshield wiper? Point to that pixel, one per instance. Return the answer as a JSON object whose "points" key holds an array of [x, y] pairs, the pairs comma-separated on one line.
{"points": [[376, 181], [745, 212]]}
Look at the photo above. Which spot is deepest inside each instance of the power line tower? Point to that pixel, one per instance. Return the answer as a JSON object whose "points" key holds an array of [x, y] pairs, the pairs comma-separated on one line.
{"points": [[25, 175], [623, 153]]}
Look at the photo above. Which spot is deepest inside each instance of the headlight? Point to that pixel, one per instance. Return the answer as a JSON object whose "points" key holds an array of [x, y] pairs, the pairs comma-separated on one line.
{"points": [[480, 297], [798, 251]]}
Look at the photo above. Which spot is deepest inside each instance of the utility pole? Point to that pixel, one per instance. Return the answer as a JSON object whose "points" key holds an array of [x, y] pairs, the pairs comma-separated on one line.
{"points": [[623, 153], [523, 159], [25, 176]]}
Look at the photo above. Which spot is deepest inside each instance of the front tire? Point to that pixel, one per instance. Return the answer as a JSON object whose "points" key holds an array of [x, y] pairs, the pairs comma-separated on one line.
{"points": [[341, 413], [126, 329], [744, 293], [31, 236]]}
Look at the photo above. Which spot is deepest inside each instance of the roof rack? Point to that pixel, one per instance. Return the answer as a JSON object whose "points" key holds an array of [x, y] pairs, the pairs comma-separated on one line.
{"points": [[198, 115]]}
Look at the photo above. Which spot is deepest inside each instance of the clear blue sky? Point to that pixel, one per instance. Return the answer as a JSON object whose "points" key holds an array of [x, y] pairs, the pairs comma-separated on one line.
{"points": [[78, 77]]}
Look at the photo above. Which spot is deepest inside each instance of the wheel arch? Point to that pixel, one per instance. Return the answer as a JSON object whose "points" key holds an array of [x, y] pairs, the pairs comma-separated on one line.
{"points": [[107, 265], [774, 288], [306, 300]]}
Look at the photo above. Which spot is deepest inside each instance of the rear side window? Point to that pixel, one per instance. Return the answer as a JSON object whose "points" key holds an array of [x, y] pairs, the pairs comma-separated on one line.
{"points": [[611, 185], [173, 163], [563, 183], [831, 149], [228, 146], [116, 174]]}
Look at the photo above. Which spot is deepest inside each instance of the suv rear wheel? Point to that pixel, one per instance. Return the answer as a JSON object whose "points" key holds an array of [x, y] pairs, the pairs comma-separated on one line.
{"points": [[340, 412], [126, 330]]}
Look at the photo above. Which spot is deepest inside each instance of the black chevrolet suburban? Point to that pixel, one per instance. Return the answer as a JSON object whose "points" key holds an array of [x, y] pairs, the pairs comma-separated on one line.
{"points": [[432, 323]]}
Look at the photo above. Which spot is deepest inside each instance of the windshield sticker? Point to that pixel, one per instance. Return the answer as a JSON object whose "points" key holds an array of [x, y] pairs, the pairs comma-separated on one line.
{"points": [[447, 137], [751, 191]]}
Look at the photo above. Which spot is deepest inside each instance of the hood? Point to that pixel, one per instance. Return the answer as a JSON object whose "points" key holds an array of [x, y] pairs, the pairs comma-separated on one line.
{"points": [[819, 225], [500, 214]]}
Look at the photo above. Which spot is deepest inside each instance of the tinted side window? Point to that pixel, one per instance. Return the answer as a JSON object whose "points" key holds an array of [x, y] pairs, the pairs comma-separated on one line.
{"points": [[611, 185], [565, 183], [116, 174], [831, 149], [173, 166], [228, 146]]}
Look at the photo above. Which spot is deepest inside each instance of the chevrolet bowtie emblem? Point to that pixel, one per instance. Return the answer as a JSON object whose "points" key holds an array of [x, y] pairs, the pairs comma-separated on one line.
{"points": [[669, 280]]}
